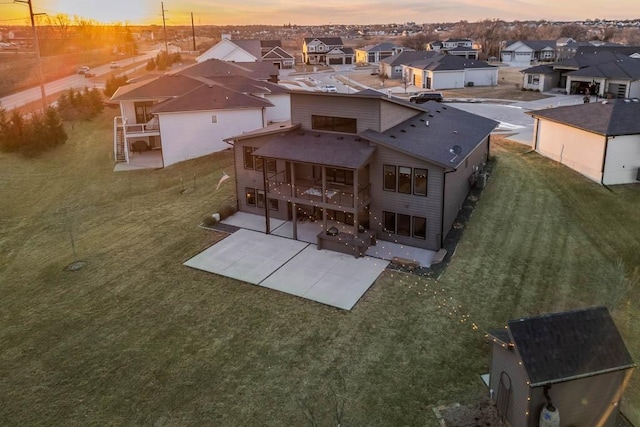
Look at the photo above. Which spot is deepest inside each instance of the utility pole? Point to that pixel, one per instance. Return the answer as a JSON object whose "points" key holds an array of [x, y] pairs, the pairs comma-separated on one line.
{"points": [[37, 47], [164, 27], [193, 33]]}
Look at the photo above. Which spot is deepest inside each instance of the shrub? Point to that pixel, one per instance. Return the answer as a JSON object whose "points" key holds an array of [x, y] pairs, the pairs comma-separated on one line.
{"points": [[113, 83], [227, 211], [209, 221]]}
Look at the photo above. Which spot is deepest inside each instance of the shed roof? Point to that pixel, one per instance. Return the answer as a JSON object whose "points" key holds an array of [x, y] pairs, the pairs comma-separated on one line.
{"points": [[559, 347], [608, 118]]}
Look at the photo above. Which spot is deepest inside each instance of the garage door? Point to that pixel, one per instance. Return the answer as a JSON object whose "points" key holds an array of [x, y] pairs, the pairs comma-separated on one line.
{"points": [[335, 61]]}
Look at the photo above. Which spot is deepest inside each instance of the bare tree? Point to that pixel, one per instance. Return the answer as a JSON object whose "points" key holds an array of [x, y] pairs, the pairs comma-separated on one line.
{"points": [[417, 42], [60, 23]]}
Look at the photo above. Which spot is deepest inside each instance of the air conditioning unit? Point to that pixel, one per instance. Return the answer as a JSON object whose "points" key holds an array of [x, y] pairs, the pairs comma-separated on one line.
{"points": [[638, 175], [469, 84]]}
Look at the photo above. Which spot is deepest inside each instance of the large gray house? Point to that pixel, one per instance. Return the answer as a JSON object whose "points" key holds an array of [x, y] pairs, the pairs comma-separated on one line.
{"points": [[366, 163]]}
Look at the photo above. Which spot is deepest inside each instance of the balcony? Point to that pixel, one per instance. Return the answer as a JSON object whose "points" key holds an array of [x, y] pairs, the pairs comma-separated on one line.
{"points": [[151, 128]]}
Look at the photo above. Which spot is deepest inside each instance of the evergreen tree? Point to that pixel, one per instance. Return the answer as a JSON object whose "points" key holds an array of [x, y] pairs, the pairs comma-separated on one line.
{"points": [[56, 135]]}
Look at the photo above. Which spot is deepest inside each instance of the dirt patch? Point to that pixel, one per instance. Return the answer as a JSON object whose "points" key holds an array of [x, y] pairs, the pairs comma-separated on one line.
{"points": [[479, 414]]}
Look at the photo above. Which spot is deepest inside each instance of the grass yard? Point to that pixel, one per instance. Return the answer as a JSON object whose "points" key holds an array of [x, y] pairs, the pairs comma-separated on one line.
{"points": [[137, 338]]}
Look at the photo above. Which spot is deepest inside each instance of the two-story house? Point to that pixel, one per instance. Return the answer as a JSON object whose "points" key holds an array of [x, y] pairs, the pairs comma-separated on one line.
{"points": [[270, 51], [326, 51], [522, 53], [188, 114], [457, 47], [365, 163]]}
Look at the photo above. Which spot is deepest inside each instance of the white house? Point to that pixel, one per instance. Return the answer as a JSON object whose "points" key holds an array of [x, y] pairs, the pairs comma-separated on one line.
{"points": [[443, 71], [188, 114], [600, 140], [521, 53], [249, 51]]}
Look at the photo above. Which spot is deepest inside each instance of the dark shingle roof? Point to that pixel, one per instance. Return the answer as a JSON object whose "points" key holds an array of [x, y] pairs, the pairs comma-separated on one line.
{"points": [[536, 45], [447, 127], [406, 57], [163, 86], [216, 67], [588, 59], [563, 346], [247, 85], [623, 68], [210, 97], [330, 149], [609, 118], [442, 62], [251, 46], [539, 69], [381, 47]]}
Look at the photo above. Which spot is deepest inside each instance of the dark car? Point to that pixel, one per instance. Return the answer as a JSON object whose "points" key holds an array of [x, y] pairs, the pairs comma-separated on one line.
{"points": [[426, 96], [89, 74]]}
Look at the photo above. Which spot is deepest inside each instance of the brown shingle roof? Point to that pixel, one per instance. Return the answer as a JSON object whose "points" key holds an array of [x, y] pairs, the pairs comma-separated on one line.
{"points": [[210, 97]]}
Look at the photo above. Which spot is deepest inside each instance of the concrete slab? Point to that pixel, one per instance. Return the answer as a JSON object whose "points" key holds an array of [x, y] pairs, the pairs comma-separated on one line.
{"points": [[251, 221], [246, 255], [327, 277]]}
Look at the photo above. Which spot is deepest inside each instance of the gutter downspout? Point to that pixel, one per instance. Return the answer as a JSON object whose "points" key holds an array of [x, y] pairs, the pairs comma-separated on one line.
{"points": [[604, 158], [266, 196], [235, 177], [444, 186]]}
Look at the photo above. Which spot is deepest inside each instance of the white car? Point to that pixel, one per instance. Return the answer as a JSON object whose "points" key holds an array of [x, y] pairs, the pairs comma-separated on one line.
{"points": [[83, 69], [114, 64], [330, 89]]}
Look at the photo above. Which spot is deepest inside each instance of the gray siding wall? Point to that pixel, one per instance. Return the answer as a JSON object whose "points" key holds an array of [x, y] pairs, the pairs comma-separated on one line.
{"points": [[581, 402], [365, 110], [409, 204], [505, 360], [458, 185], [253, 179], [394, 114]]}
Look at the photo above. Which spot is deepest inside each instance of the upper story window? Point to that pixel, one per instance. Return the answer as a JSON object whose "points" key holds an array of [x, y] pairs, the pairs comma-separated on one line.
{"points": [[143, 111], [334, 124]]}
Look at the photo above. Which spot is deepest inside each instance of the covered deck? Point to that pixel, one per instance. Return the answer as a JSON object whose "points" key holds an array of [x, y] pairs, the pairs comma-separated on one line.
{"points": [[130, 139]]}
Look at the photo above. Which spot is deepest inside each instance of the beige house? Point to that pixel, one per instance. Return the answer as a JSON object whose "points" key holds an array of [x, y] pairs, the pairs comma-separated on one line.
{"points": [[600, 140]]}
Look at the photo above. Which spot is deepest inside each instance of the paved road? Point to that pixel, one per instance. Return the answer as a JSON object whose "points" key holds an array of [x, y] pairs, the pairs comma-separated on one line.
{"points": [[76, 81]]}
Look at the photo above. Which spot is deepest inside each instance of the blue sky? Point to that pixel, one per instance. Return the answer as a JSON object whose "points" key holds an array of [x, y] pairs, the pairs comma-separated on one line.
{"points": [[305, 12]]}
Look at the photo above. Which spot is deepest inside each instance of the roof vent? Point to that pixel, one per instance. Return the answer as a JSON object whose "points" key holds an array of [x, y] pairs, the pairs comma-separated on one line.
{"points": [[413, 125], [430, 115], [403, 131], [340, 137], [317, 135], [393, 136]]}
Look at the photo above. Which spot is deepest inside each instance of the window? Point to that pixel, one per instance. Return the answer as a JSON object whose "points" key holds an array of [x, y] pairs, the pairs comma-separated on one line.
{"points": [[389, 177], [334, 124], [214, 119], [389, 224], [143, 114], [273, 204], [420, 181], [340, 176], [250, 196], [260, 198], [249, 162], [272, 166], [419, 227], [259, 163], [404, 180], [404, 225]]}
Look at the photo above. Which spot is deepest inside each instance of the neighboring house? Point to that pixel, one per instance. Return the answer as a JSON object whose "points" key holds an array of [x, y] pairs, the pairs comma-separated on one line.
{"points": [[392, 67], [567, 47], [522, 53], [373, 54], [249, 51], [189, 113], [601, 72], [327, 51], [443, 71], [365, 162], [457, 47], [575, 361], [600, 140]]}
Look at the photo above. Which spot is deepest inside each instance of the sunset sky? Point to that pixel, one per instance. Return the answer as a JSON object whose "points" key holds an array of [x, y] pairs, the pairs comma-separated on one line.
{"points": [[306, 12]]}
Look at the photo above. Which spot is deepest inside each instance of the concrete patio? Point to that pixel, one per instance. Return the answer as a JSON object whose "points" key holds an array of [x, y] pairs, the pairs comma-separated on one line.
{"points": [[151, 159], [297, 267]]}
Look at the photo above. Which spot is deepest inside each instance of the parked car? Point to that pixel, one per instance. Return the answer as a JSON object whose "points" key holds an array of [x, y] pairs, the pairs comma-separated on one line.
{"points": [[83, 69], [114, 64], [426, 96], [330, 88]]}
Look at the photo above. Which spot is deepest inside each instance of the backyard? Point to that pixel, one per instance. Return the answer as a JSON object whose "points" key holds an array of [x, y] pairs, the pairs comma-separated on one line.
{"points": [[135, 337]]}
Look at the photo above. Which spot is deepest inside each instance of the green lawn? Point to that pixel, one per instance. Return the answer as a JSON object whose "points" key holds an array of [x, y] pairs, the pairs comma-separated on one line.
{"points": [[137, 338]]}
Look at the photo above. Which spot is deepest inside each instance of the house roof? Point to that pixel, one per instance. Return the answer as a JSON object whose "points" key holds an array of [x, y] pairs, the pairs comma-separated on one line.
{"points": [[624, 69], [381, 47], [563, 346], [277, 53], [210, 97], [216, 67], [535, 45], [432, 135], [248, 85], [608, 118], [406, 57], [462, 49], [163, 86], [588, 59], [442, 62], [326, 148], [251, 46], [539, 69], [270, 44], [329, 41]]}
